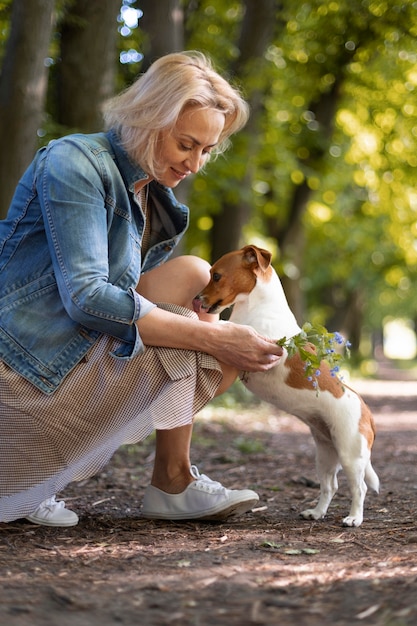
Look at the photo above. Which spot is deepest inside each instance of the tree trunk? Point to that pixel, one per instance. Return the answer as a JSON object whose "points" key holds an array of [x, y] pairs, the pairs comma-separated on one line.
{"points": [[257, 32], [163, 23], [290, 237], [23, 86], [87, 71]]}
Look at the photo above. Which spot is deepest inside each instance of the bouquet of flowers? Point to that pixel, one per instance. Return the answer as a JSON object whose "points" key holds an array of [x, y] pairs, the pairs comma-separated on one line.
{"points": [[329, 347]]}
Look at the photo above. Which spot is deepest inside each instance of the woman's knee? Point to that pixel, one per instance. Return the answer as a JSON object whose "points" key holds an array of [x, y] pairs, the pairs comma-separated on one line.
{"points": [[197, 269], [177, 281]]}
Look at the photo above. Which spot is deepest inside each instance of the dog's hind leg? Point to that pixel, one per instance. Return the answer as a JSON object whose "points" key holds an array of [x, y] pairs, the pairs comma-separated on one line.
{"points": [[358, 488], [355, 459], [355, 473], [327, 465]]}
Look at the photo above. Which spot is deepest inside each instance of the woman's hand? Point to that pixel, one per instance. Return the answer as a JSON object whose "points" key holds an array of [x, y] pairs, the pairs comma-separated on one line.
{"points": [[232, 344], [242, 347]]}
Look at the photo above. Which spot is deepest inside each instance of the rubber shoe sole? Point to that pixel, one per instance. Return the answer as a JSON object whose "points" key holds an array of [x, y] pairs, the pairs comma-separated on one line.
{"points": [[64, 523]]}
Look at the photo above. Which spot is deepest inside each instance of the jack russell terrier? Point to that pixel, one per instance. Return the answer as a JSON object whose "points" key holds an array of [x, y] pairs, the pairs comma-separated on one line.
{"points": [[341, 423]]}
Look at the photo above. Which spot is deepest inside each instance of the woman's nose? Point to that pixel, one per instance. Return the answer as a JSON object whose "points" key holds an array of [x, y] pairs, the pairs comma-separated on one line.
{"points": [[194, 162]]}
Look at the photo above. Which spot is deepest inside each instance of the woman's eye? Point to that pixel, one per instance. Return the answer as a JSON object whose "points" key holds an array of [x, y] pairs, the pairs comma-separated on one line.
{"points": [[184, 147]]}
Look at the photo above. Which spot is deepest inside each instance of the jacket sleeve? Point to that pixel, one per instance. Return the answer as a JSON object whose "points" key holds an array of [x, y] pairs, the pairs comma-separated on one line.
{"points": [[72, 191]]}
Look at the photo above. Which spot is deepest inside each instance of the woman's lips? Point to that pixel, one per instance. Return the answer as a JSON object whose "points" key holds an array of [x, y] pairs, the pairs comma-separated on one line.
{"points": [[179, 175]]}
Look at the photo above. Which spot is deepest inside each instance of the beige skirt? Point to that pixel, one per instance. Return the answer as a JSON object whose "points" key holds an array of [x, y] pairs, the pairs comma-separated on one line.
{"points": [[47, 442]]}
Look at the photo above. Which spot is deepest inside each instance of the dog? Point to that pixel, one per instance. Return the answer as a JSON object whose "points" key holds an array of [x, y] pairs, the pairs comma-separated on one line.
{"points": [[340, 422]]}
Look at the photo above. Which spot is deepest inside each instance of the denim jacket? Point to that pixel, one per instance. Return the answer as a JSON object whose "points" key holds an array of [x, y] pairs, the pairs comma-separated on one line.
{"points": [[70, 256]]}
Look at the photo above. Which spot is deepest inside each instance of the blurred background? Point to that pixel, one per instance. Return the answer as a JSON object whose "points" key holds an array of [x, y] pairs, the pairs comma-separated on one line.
{"points": [[324, 175]]}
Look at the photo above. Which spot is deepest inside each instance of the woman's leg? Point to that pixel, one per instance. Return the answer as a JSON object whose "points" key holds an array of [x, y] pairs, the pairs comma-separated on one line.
{"points": [[171, 471], [178, 281]]}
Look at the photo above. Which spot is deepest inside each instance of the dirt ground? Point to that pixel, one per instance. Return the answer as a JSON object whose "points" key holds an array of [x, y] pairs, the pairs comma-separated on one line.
{"points": [[267, 567]]}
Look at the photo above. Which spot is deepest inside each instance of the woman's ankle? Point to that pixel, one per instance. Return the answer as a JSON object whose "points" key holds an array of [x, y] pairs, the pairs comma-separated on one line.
{"points": [[172, 482]]}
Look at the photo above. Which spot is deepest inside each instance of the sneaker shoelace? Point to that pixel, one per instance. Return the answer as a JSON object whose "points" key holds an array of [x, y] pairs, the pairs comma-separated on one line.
{"points": [[205, 483], [52, 505]]}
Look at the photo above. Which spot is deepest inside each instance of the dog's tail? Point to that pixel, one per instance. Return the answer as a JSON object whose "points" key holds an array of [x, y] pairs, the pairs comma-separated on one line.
{"points": [[371, 477]]}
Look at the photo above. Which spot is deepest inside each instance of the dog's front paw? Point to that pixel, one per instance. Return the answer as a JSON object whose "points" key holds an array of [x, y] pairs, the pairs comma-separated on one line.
{"points": [[353, 520], [312, 514]]}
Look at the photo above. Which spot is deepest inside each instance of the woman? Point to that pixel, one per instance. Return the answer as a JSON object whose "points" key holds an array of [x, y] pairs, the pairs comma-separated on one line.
{"points": [[88, 361]]}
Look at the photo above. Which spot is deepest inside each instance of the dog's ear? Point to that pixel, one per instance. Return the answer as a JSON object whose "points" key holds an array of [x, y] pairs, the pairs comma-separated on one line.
{"points": [[253, 254]]}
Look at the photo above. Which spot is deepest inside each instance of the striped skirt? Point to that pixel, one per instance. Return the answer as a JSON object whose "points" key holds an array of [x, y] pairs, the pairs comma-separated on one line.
{"points": [[47, 442]]}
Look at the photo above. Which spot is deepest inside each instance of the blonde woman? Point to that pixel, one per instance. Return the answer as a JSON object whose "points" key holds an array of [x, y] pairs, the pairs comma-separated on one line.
{"points": [[99, 344]]}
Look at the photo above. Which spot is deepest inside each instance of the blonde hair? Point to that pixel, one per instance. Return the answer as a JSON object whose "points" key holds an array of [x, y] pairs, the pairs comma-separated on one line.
{"points": [[155, 101]]}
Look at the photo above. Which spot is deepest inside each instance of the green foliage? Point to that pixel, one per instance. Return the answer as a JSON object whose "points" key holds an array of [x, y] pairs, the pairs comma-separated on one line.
{"points": [[358, 161], [212, 26], [363, 215], [314, 345], [356, 158]]}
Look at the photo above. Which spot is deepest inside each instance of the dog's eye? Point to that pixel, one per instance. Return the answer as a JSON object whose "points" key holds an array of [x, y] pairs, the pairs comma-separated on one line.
{"points": [[216, 277]]}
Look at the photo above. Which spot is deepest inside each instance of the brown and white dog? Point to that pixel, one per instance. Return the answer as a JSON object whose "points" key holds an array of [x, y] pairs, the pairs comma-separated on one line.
{"points": [[340, 422]]}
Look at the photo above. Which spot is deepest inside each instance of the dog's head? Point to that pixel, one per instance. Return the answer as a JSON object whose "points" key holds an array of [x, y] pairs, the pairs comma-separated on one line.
{"points": [[233, 276]]}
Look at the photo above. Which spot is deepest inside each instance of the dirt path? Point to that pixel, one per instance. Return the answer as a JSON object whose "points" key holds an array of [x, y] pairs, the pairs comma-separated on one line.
{"points": [[268, 567]]}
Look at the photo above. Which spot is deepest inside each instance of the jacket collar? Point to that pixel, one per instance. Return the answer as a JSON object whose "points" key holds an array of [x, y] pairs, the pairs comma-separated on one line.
{"points": [[132, 172]]}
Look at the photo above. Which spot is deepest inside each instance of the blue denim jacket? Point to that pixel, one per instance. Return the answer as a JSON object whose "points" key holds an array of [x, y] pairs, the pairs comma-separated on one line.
{"points": [[70, 256]]}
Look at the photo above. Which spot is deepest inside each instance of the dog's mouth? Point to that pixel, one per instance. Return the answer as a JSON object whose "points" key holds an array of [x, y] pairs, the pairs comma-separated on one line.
{"points": [[199, 306]]}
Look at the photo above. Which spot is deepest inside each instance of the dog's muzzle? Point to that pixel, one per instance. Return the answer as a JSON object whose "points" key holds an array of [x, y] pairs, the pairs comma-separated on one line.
{"points": [[199, 305]]}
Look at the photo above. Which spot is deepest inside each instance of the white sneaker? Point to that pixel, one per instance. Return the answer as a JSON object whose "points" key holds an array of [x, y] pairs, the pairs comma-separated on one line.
{"points": [[203, 499], [53, 513]]}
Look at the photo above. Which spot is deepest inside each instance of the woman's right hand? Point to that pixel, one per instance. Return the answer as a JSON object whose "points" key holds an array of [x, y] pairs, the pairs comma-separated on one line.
{"points": [[243, 348]]}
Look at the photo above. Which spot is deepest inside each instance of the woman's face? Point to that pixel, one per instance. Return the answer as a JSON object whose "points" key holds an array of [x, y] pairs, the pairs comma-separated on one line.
{"points": [[185, 149]]}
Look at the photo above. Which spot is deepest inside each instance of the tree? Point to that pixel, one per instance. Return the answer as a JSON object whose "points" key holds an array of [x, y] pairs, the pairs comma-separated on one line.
{"points": [[23, 86], [258, 28], [85, 72], [242, 35], [163, 23]]}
